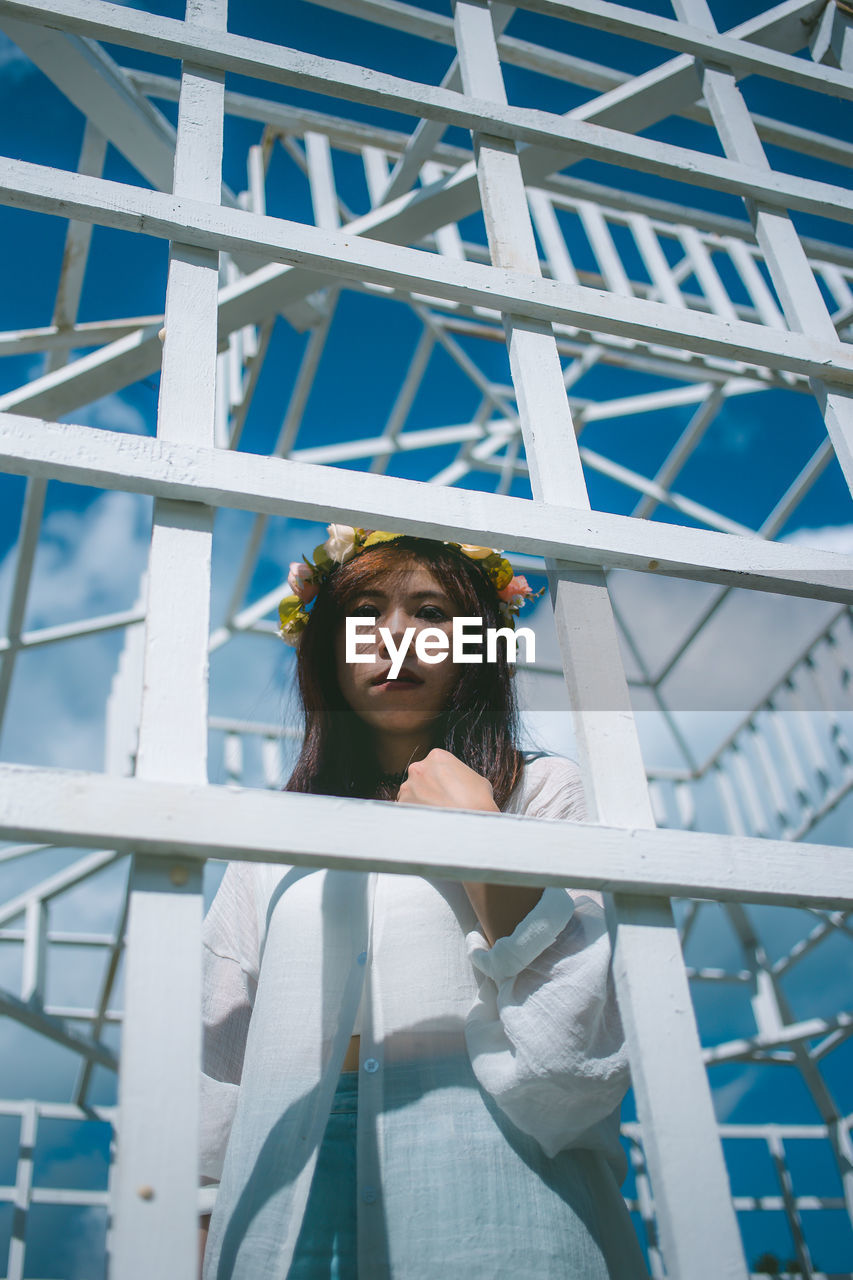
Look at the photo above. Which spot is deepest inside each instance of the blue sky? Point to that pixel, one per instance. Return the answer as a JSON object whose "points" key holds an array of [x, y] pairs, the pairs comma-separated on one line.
{"points": [[94, 544]]}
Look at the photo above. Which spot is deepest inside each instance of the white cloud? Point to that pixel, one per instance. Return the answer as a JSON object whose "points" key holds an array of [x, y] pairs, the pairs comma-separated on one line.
{"points": [[84, 1245], [729, 1096], [88, 563], [114, 413], [14, 64], [832, 537]]}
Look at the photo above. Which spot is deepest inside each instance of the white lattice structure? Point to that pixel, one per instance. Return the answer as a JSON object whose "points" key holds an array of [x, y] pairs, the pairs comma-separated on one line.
{"points": [[574, 276]]}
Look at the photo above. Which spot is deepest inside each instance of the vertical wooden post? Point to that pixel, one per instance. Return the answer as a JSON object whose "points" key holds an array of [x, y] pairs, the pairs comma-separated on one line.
{"points": [[156, 1185], [697, 1221]]}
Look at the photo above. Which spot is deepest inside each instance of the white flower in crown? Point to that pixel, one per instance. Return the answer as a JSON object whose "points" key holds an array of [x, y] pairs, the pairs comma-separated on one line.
{"points": [[340, 544]]}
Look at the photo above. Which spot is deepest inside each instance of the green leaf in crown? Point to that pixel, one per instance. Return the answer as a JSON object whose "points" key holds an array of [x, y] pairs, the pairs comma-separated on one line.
{"points": [[288, 608], [380, 535]]}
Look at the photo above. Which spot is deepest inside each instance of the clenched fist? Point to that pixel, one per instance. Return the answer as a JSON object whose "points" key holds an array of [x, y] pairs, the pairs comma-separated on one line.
{"points": [[441, 779]]}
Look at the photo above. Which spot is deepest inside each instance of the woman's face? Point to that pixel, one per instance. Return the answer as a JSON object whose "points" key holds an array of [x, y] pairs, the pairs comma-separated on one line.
{"points": [[412, 702]]}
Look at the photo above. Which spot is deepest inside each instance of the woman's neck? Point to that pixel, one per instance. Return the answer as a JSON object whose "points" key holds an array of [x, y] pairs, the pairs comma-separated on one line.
{"points": [[395, 752]]}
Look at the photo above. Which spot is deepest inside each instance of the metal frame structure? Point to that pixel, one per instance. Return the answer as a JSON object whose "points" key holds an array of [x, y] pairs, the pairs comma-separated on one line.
{"points": [[721, 307]]}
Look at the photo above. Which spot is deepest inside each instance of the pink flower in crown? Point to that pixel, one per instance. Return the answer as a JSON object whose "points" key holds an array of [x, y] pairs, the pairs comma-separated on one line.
{"points": [[516, 591], [299, 581]]}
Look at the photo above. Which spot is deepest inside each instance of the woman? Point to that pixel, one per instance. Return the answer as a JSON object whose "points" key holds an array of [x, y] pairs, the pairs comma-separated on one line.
{"points": [[408, 1078]]}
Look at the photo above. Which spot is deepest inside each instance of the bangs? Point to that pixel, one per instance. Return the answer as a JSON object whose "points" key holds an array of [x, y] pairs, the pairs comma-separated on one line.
{"points": [[381, 568]]}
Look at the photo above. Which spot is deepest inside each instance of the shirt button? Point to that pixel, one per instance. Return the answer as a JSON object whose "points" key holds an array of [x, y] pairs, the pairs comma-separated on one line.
{"points": [[371, 1065], [368, 1195], [362, 959]]}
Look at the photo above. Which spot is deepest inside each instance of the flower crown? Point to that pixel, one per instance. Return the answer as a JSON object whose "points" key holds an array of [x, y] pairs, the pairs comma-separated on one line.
{"points": [[307, 576]]}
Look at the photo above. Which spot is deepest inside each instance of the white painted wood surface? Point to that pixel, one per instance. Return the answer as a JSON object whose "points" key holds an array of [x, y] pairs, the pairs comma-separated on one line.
{"points": [[698, 1227], [193, 822], [352, 134], [155, 1231], [696, 40], [358, 258], [404, 219], [273, 486], [280, 65], [656, 327]]}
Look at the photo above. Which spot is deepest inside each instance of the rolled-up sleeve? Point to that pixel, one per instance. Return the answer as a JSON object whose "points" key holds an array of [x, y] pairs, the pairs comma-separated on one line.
{"points": [[230, 960], [544, 1034]]}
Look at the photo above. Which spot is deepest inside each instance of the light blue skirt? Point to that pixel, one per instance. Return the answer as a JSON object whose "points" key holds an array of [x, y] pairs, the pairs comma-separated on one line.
{"points": [[327, 1244], [326, 1248]]}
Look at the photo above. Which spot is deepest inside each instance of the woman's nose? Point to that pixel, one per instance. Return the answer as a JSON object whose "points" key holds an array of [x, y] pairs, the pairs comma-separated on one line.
{"points": [[395, 621]]}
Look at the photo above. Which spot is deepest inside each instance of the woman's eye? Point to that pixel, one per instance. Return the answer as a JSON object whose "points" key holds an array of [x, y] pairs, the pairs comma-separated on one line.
{"points": [[430, 612]]}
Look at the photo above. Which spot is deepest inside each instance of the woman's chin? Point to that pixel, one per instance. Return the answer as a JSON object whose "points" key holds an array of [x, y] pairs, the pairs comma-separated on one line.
{"points": [[399, 720]]}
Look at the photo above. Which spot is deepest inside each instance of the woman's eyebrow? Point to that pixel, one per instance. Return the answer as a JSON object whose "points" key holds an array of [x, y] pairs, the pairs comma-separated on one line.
{"points": [[411, 595]]}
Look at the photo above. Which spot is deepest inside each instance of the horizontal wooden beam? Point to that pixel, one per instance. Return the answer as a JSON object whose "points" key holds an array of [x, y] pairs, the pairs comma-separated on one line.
{"points": [[197, 822], [578, 139], [57, 1029], [352, 135], [346, 256], [282, 487], [715, 49]]}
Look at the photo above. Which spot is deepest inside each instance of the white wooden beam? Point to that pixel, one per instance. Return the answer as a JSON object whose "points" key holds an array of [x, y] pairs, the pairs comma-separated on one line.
{"points": [[59, 882], [346, 256], [781, 28], [49, 338], [106, 95], [139, 355], [155, 1199], [261, 296], [391, 438], [22, 1196], [353, 135], [274, 486], [71, 630], [77, 241], [698, 1226], [56, 1029], [738, 56], [169, 820], [569, 134], [802, 301], [90, 79], [25, 553]]}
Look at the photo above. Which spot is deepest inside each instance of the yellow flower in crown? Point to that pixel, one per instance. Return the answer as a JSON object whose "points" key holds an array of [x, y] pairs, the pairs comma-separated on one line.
{"points": [[476, 553], [306, 577]]}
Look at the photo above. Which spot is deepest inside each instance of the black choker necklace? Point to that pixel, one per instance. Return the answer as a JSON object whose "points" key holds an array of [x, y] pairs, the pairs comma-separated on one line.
{"points": [[394, 779]]}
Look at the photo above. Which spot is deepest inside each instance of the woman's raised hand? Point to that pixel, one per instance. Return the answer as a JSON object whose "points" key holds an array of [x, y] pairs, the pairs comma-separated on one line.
{"points": [[443, 780]]}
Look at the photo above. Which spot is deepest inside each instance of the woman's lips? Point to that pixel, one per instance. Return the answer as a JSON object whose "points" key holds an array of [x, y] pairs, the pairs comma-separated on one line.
{"points": [[404, 676], [405, 680]]}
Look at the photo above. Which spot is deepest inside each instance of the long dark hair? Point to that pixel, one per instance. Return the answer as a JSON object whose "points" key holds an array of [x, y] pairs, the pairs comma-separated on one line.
{"points": [[479, 723]]}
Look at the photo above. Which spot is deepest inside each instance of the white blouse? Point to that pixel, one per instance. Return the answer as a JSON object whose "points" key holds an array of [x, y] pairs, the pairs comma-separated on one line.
{"points": [[488, 1076]]}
